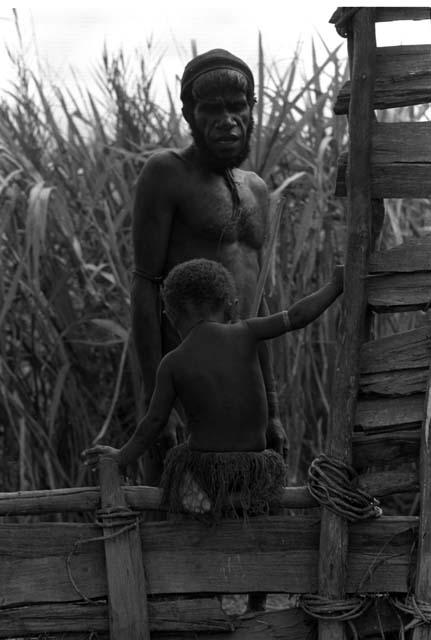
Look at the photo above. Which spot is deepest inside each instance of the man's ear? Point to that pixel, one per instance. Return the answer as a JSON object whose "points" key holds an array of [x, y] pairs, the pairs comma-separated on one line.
{"points": [[187, 114]]}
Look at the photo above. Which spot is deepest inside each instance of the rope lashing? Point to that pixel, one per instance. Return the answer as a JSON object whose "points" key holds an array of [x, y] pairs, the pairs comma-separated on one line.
{"points": [[334, 485], [110, 517], [419, 610], [341, 610]]}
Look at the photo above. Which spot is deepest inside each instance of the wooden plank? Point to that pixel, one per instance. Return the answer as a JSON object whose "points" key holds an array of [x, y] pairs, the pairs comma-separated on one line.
{"points": [[423, 565], [384, 449], [401, 142], [128, 614], [294, 624], [399, 291], [274, 554], [88, 499], [389, 414], [403, 77], [385, 483], [138, 497], [391, 180], [394, 383], [387, 14], [414, 254], [334, 529], [397, 364], [166, 615]]}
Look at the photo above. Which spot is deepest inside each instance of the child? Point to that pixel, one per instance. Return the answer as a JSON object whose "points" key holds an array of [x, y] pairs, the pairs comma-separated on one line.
{"points": [[216, 375]]}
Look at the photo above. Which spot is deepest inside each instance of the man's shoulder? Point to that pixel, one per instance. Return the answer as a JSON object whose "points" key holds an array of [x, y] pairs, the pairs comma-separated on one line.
{"points": [[163, 160]]}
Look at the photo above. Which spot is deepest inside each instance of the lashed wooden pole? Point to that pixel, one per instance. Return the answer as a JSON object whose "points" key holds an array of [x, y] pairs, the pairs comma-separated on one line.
{"points": [[334, 530], [128, 615], [423, 568]]}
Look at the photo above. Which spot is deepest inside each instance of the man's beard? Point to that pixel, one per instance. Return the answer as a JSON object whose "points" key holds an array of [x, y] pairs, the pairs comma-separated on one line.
{"points": [[210, 159]]}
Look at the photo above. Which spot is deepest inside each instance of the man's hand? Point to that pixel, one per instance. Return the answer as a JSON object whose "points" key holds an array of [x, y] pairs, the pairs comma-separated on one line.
{"points": [[276, 437], [173, 434], [91, 456]]}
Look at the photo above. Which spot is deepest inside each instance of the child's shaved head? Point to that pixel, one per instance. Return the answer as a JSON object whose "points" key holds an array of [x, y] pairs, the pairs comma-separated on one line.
{"points": [[203, 283]]}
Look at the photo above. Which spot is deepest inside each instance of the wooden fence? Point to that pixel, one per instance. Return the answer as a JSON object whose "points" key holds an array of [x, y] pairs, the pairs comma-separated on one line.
{"points": [[133, 580], [167, 577]]}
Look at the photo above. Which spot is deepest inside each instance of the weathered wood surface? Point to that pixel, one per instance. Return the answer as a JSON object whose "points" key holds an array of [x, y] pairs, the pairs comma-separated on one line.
{"points": [[127, 598], [88, 499], [276, 554], [391, 180], [389, 414], [414, 254], [403, 77], [401, 142], [385, 448], [397, 364], [166, 615], [294, 624], [334, 528], [423, 566], [387, 14], [385, 483], [75, 621], [139, 497], [399, 291]]}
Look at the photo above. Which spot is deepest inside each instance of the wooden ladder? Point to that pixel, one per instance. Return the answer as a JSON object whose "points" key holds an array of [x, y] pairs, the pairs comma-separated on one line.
{"points": [[381, 401]]}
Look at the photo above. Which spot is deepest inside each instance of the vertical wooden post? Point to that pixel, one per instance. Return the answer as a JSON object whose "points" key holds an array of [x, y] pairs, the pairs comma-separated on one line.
{"points": [[423, 566], [334, 530], [128, 615]]}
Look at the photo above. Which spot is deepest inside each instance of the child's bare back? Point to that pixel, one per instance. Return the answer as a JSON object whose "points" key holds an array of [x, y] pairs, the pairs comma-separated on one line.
{"points": [[218, 379]]}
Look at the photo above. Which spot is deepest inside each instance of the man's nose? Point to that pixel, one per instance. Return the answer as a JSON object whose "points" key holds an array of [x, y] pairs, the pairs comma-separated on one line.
{"points": [[226, 120]]}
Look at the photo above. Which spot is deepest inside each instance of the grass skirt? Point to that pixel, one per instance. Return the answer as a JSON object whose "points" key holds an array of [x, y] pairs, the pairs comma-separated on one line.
{"points": [[254, 480]]}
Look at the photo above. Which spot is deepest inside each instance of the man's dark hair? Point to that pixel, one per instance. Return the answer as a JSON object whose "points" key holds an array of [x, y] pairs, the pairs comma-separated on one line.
{"points": [[215, 83], [214, 60], [204, 283]]}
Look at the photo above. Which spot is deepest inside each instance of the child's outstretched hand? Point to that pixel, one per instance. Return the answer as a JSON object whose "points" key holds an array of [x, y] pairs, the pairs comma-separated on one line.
{"points": [[91, 456], [338, 277]]}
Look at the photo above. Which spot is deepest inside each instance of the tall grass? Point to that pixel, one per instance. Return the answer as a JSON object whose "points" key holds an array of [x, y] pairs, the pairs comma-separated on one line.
{"points": [[68, 168]]}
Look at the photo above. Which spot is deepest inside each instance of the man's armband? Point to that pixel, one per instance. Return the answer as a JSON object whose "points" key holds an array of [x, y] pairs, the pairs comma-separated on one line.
{"points": [[143, 274], [286, 320]]}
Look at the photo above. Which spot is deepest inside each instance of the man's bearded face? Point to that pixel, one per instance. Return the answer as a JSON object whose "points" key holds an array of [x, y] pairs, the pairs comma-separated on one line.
{"points": [[221, 126]]}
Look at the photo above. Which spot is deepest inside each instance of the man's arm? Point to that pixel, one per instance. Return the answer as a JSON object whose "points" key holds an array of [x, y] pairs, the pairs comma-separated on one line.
{"points": [[152, 219]]}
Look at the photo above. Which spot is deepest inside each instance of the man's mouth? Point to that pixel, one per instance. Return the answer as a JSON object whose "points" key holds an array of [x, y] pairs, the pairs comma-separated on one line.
{"points": [[227, 139]]}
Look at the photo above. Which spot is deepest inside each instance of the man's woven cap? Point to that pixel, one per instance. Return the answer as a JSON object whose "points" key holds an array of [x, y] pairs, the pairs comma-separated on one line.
{"points": [[210, 60]]}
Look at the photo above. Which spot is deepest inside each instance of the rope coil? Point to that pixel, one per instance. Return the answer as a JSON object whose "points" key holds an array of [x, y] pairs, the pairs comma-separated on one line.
{"points": [[329, 609], [334, 485], [419, 610]]}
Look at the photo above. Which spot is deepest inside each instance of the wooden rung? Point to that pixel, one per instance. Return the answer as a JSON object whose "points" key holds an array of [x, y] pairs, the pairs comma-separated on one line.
{"points": [[385, 448], [406, 350], [389, 414], [389, 14], [403, 77], [394, 383], [414, 254], [194, 558], [396, 365], [401, 142], [399, 291]]}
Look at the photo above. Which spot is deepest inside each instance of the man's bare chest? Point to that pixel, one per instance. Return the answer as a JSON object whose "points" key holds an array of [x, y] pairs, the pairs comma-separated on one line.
{"points": [[207, 208]]}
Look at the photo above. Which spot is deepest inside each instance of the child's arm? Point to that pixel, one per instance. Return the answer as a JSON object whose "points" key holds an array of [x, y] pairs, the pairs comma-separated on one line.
{"points": [[301, 313], [149, 427]]}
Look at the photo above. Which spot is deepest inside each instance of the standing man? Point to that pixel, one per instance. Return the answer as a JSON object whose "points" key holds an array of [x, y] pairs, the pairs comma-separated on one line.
{"points": [[196, 203]]}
